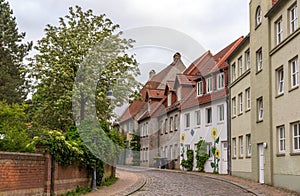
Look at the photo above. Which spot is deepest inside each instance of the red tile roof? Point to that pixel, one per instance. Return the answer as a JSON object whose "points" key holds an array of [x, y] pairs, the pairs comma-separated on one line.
{"points": [[133, 109], [154, 94]]}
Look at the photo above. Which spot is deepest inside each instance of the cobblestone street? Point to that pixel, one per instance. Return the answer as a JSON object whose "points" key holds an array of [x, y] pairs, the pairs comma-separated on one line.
{"points": [[170, 183]]}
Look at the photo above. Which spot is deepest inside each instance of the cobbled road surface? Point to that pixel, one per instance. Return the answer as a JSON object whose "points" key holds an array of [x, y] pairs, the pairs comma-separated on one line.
{"points": [[171, 183]]}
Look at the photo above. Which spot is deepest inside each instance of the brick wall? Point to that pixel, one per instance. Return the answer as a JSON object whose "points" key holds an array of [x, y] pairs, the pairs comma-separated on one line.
{"points": [[30, 174]]}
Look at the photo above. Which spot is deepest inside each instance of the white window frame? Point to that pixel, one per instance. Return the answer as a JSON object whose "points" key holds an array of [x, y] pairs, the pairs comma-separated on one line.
{"points": [[241, 146], [281, 139], [221, 81], [169, 99], [234, 153], [166, 125], [293, 19], [279, 31], [248, 98], [241, 103], [258, 16], [171, 126], [221, 113], [208, 115], [233, 71], [175, 122], [187, 120], [197, 117], [249, 145], [260, 109], [296, 137], [259, 60], [294, 67], [280, 80], [240, 65], [179, 93], [209, 85], [247, 59], [199, 88], [233, 106]]}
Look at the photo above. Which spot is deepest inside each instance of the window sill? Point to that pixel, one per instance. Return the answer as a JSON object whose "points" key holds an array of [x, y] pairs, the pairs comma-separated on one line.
{"points": [[208, 125], [197, 127], [248, 157], [234, 158], [233, 117], [241, 157], [293, 88], [248, 110], [295, 153], [259, 121], [220, 123], [257, 26], [186, 129], [280, 155], [258, 71], [279, 95], [240, 114]]}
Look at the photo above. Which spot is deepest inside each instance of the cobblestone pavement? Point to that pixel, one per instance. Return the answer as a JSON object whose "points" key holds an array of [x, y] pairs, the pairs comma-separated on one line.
{"points": [[175, 183]]}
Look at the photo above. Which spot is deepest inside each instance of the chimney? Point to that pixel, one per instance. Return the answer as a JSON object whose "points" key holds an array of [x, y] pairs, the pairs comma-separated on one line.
{"points": [[151, 73], [176, 56], [274, 2]]}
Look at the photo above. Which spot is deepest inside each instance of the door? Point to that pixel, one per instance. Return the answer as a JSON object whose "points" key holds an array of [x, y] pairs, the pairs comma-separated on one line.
{"points": [[224, 160], [261, 163]]}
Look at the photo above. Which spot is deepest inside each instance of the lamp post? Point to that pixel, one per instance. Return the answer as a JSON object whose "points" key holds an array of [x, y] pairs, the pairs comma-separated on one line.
{"points": [[111, 97]]}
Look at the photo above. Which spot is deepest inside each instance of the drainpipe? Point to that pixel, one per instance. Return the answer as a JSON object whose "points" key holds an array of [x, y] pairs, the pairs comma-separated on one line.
{"points": [[228, 103]]}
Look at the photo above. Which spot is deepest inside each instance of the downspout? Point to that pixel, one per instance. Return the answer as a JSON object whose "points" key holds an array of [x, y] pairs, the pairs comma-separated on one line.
{"points": [[228, 103]]}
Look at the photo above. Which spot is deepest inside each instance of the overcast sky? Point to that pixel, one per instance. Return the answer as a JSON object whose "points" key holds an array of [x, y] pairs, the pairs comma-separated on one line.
{"points": [[189, 24]]}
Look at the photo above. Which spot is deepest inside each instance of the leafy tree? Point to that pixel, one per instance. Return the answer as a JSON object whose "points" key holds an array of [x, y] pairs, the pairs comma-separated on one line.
{"points": [[13, 128], [201, 155], [80, 59], [135, 146], [188, 164], [12, 53]]}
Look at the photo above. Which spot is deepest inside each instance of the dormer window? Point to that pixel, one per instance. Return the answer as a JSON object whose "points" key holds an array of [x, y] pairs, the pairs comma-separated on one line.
{"points": [[220, 80], [169, 99], [199, 88], [179, 94], [209, 85], [258, 16]]}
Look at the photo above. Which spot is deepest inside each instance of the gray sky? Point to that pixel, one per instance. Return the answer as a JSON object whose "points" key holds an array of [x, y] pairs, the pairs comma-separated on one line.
{"points": [[211, 24]]}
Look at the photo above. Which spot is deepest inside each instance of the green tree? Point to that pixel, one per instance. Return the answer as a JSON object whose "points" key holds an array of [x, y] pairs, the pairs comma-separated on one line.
{"points": [[80, 59], [13, 128], [135, 146], [12, 53]]}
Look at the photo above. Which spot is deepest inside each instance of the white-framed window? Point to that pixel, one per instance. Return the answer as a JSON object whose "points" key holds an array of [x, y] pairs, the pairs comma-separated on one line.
{"points": [[171, 126], [294, 67], [176, 122], [259, 61], [247, 59], [161, 126], [260, 109], [240, 65], [279, 31], [199, 88], [209, 85], [187, 120], [179, 93], [293, 19], [233, 71], [220, 109], [281, 139], [241, 146], [169, 99], [248, 99], [208, 149], [198, 118], [233, 106], [147, 129], [249, 149], [241, 103], [258, 16], [280, 81], [296, 137], [234, 147], [221, 80], [208, 115], [166, 125]]}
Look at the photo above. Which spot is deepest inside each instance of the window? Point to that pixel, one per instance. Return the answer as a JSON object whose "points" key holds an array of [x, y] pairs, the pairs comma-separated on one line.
{"points": [[234, 147], [259, 60], [147, 129], [233, 71], [258, 16], [176, 122], [240, 65], [260, 109], [294, 72], [248, 140], [280, 83], [248, 99], [208, 149], [171, 126], [169, 99], [208, 115], [161, 126], [220, 80], [199, 88], [233, 106], [187, 120], [198, 117], [247, 59], [241, 147], [279, 31], [221, 113], [296, 137], [166, 125], [293, 19], [209, 85], [241, 103], [179, 93], [281, 139]]}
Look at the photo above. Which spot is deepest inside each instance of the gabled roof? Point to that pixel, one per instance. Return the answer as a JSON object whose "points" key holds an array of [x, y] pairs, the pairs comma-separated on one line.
{"points": [[133, 109], [200, 65], [275, 5], [154, 94]]}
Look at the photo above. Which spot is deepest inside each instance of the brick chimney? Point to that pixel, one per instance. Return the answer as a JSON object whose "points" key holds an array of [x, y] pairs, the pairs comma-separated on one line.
{"points": [[176, 56], [151, 73], [274, 2]]}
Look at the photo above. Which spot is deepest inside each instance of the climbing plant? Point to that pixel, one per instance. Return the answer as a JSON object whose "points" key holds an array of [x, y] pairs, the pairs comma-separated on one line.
{"points": [[215, 151], [201, 155], [188, 164]]}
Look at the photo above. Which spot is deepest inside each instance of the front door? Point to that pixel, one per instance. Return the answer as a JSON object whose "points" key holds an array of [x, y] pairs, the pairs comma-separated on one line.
{"points": [[224, 160], [261, 163]]}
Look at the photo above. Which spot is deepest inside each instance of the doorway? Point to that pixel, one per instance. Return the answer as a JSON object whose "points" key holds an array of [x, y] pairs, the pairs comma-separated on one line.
{"points": [[261, 163], [224, 159]]}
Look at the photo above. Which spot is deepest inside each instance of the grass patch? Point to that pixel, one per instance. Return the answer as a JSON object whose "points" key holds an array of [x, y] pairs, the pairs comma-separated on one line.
{"points": [[110, 181], [79, 190]]}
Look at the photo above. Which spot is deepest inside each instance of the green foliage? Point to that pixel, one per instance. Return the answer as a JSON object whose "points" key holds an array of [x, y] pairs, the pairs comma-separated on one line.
{"points": [[216, 154], [135, 146], [201, 155], [188, 164], [79, 190], [110, 181], [13, 128]]}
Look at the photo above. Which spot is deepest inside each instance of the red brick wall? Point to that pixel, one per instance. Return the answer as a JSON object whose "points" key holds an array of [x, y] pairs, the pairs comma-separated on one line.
{"points": [[30, 174]]}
